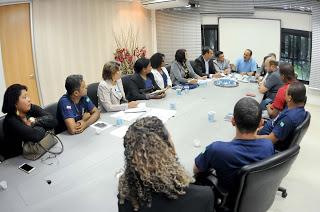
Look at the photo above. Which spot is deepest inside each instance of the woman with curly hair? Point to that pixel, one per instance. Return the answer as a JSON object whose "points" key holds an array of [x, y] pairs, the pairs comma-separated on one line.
{"points": [[153, 179]]}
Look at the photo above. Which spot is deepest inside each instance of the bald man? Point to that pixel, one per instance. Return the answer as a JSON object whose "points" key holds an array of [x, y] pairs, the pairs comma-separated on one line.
{"points": [[272, 84]]}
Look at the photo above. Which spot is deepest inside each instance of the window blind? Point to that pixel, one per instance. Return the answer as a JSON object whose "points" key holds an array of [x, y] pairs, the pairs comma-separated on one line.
{"points": [[178, 30], [226, 7], [315, 58]]}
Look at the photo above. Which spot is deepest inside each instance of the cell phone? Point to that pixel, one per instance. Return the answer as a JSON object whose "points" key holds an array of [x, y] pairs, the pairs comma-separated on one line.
{"points": [[250, 94], [26, 168]]}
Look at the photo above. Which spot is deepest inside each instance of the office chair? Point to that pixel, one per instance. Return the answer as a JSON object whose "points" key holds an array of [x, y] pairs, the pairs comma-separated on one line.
{"points": [[126, 83], [293, 139], [92, 93], [168, 67], [192, 63], [52, 108], [257, 183], [1, 136], [296, 136]]}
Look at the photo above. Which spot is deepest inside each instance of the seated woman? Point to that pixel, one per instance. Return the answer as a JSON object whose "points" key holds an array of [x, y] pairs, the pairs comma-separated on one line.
{"points": [[182, 71], [110, 91], [24, 121], [142, 82], [159, 71], [153, 179]]}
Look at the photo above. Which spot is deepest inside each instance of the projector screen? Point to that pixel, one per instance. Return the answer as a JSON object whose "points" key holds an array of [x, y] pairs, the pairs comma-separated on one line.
{"points": [[262, 36]]}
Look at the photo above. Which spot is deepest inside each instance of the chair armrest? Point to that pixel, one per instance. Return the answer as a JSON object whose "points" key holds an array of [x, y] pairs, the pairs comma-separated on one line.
{"points": [[221, 193]]}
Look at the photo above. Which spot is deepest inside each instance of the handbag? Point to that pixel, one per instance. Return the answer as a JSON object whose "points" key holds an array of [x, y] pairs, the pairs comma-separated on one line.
{"points": [[34, 150]]}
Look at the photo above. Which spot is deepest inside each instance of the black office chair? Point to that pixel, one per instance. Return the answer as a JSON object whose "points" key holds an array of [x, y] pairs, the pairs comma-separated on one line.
{"points": [[1, 136], [93, 93], [126, 83], [257, 183], [296, 136], [168, 67], [293, 139], [51, 108], [193, 64]]}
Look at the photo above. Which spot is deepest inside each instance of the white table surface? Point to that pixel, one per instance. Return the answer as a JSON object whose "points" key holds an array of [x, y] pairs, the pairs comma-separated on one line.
{"points": [[84, 176]]}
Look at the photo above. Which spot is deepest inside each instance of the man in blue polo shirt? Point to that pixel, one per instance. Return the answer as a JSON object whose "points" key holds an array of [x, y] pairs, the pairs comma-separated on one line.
{"points": [[246, 64], [75, 110], [278, 129], [228, 157]]}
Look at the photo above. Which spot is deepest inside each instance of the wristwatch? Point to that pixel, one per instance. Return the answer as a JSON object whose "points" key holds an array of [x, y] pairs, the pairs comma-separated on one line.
{"points": [[32, 120]]}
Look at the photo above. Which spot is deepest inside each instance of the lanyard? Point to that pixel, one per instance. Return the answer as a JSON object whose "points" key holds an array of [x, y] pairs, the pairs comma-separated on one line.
{"points": [[77, 109]]}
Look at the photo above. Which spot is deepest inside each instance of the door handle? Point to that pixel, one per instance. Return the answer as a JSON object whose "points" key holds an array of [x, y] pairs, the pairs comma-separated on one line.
{"points": [[31, 76]]}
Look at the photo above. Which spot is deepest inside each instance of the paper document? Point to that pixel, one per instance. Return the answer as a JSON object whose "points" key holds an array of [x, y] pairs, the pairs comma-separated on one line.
{"points": [[163, 115], [100, 125], [120, 132], [141, 107], [127, 116], [204, 81], [159, 91]]}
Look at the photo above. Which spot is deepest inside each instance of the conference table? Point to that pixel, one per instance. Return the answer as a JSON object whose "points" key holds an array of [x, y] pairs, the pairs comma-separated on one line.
{"points": [[84, 176]]}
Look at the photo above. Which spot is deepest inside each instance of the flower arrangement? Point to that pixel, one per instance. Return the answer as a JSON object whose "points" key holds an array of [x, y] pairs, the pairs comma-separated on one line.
{"points": [[127, 58], [128, 51]]}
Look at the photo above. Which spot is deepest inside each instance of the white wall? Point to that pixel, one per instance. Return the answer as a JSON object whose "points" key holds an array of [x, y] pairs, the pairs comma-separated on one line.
{"points": [[234, 37], [289, 20], [2, 82]]}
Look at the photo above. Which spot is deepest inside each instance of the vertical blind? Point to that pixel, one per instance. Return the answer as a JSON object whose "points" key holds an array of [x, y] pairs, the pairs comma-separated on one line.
{"points": [[178, 30], [315, 58], [226, 7], [281, 4]]}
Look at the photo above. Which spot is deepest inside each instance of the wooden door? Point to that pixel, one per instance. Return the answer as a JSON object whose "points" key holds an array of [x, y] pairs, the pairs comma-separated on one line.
{"points": [[16, 48]]}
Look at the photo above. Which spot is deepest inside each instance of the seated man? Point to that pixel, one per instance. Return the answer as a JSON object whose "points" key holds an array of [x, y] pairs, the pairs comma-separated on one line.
{"points": [[278, 129], [262, 70], [204, 65], [221, 64], [228, 157], [279, 103], [271, 86], [246, 64], [75, 110]]}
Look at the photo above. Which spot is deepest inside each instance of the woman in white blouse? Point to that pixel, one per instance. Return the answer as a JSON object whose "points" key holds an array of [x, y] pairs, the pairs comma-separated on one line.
{"points": [[110, 91], [159, 71]]}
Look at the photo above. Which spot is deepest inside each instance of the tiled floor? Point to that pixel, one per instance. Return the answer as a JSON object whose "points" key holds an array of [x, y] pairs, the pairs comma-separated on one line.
{"points": [[303, 180]]}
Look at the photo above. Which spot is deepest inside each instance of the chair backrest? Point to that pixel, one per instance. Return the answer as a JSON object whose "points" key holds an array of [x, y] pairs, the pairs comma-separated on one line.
{"points": [[126, 83], [168, 67], [52, 108], [1, 136], [93, 93], [296, 136], [259, 181], [192, 63]]}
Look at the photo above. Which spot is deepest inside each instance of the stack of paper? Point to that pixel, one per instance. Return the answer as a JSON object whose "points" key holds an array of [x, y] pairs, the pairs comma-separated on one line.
{"points": [[120, 132], [163, 115], [127, 116], [141, 107]]}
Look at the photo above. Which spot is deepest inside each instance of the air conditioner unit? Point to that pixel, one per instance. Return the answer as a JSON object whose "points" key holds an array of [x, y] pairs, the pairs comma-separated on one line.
{"points": [[163, 4]]}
